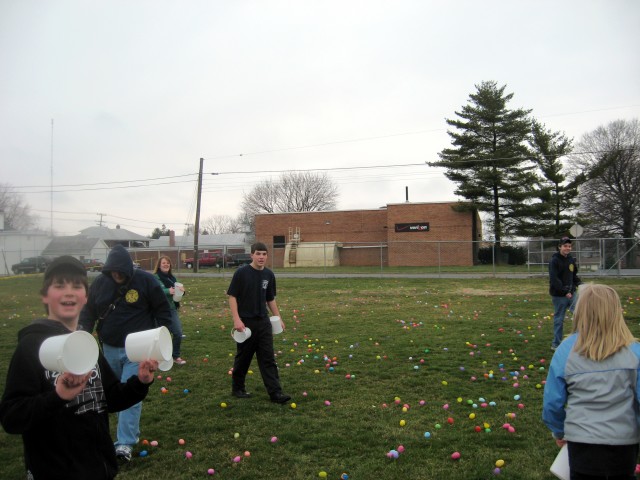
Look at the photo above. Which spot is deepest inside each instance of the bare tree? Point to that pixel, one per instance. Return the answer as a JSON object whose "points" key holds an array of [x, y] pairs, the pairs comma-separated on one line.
{"points": [[610, 196], [291, 192], [17, 214], [216, 224]]}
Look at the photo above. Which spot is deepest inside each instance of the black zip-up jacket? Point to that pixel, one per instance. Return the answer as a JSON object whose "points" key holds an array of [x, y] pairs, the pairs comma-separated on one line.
{"points": [[140, 302], [563, 275], [63, 440]]}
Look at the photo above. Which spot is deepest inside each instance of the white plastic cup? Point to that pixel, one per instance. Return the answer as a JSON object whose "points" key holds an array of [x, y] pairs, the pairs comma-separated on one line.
{"points": [[239, 336], [177, 293], [276, 325], [75, 353], [560, 466], [154, 344], [165, 365]]}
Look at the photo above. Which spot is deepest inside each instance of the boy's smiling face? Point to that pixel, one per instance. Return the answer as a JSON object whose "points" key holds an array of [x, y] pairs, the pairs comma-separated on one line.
{"points": [[65, 300]]}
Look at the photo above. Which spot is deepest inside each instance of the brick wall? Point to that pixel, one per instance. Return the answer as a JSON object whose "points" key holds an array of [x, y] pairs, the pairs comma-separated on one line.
{"points": [[371, 228]]}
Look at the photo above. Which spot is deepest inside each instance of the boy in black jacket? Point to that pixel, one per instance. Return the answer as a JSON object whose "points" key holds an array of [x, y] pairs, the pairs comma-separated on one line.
{"points": [[63, 418], [563, 283]]}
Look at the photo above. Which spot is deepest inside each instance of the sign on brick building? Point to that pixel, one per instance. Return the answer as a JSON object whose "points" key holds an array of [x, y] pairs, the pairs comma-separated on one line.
{"points": [[412, 227]]}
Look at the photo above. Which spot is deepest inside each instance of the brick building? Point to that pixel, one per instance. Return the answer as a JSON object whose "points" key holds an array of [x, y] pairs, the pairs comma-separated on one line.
{"points": [[402, 234]]}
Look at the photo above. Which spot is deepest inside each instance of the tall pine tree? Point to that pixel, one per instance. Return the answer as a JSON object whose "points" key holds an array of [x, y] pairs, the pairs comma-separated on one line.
{"points": [[490, 160], [557, 194]]}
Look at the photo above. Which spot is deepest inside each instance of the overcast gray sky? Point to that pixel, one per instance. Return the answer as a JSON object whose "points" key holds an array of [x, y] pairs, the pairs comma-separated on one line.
{"points": [[140, 90]]}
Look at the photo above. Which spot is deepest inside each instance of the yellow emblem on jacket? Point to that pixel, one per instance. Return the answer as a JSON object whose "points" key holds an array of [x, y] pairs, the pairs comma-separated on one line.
{"points": [[132, 296], [571, 267]]}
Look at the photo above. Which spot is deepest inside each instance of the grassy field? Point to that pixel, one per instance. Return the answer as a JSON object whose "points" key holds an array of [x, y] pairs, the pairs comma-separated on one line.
{"points": [[372, 365]]}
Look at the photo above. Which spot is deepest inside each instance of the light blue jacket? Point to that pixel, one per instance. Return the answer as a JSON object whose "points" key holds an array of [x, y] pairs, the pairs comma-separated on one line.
{"points": [[593, 402]]}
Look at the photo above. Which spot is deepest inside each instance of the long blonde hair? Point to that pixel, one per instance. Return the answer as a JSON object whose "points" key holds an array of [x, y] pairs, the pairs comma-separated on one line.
{"points": [[600, 324]]}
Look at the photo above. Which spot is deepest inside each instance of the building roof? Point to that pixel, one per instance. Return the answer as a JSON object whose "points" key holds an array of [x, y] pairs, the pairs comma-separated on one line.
{"points": [[113, 234], [77, 245], [204, 241]]}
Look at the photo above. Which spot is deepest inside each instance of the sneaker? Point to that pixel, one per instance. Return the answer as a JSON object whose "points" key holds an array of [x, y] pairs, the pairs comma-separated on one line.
{"points": [[553, 348], [280, 398], [179, 361], [241, 393], [123, 452]]}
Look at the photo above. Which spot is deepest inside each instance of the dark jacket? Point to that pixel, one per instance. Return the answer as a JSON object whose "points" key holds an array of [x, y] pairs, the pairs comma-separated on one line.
{"points": [[563, 275], [63, 440], [138, 304]]}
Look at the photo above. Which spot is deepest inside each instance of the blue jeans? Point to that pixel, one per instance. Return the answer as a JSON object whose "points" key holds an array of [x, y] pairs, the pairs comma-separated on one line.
{"points": [[129, 419], [560, 306], [176, 331]]}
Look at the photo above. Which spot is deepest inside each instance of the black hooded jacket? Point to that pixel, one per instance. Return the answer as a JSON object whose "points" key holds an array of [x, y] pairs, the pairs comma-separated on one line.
{"points": [[62, 439], [563, 275], [139, 303]]}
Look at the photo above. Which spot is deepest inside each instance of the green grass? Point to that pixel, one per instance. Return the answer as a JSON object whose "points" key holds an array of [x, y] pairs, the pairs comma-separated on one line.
{"points": [[414, 339]]}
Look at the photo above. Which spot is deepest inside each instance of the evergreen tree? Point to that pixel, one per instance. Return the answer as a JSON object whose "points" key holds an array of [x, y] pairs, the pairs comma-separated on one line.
{"points": [[490, 160], [553, 212]]}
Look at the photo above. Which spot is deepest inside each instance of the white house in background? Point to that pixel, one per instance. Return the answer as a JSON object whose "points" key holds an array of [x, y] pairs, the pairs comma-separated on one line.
{"points": [[79, 246], [14, 246]]}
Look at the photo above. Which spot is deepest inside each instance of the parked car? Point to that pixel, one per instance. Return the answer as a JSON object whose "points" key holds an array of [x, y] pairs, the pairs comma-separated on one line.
{"points": [[210, 259], [93, 265], [31, 265], [238, 259]]}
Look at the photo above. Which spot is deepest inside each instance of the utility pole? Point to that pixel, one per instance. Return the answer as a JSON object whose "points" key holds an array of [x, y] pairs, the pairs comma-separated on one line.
{"points": [[197, 225]]}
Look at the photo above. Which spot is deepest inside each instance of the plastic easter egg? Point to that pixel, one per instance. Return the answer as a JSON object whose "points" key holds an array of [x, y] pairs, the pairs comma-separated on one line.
{"points": [[211, 471], [427, 435], [188, 454], [455, 455], [237, 459], [322, 474], [500, 463], [236, 435], [293, 405], [274, 439], [403, 423], [143, 453], [181, 441], [223, 405]]}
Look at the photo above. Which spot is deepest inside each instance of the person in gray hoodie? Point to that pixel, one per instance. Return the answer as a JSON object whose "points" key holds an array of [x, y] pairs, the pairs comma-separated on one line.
{"points": [[124, 300], [591, 396]]}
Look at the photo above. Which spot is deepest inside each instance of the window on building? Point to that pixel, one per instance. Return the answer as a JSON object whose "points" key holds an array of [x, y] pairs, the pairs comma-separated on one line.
{"points": [[279, 241]]}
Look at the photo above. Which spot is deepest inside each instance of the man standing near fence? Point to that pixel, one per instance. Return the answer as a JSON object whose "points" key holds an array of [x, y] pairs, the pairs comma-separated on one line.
{"points": [[563, 283]]}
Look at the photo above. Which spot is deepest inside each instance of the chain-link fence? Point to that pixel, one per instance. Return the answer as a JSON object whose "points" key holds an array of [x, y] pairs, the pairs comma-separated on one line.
{"points": [[595, 256]]}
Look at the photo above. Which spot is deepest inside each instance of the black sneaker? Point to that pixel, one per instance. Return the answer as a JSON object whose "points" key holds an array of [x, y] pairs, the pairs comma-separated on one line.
{"points": [[280, 398], [240, 394]]}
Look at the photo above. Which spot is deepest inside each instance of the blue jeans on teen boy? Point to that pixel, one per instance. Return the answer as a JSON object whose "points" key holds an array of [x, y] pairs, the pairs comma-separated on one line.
{"points": [[129, 419], [560, 307]]}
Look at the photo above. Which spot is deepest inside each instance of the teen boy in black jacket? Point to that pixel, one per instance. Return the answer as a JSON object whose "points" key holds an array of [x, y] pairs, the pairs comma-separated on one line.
{"points": [[63, 418]]}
